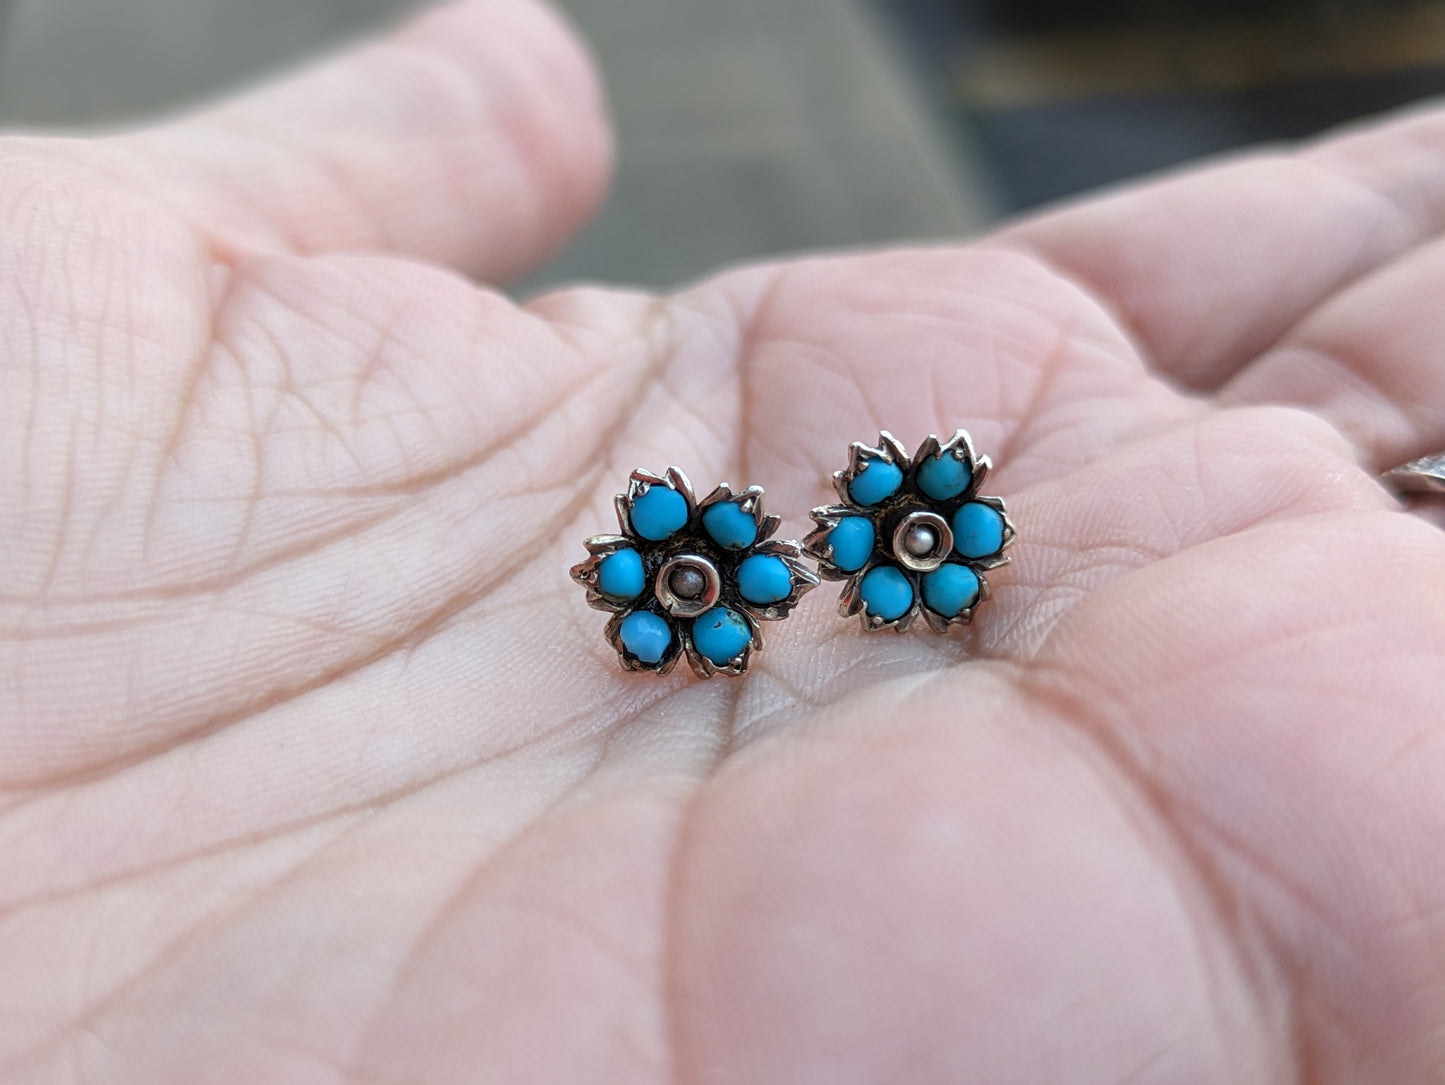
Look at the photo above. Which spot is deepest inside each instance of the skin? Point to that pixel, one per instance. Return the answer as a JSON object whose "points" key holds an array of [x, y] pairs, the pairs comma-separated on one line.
{"points": [[314, 766]]}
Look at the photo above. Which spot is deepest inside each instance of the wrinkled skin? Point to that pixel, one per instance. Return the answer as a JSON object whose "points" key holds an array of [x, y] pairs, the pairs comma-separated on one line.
{"points": [[314, 766]]}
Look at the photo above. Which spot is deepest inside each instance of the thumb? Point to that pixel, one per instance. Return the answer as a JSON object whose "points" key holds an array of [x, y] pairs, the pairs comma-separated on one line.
{"points": [[474, 137]]}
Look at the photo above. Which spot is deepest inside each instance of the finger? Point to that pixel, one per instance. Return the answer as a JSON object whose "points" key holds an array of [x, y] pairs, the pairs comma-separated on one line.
{"points": [[1207, 270], [474, 137], [1371, 361]]}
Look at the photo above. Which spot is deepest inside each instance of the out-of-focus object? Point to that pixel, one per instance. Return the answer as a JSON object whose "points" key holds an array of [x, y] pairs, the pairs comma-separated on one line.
{"points": [[100, 61], [1195, 49], [1065, 95], [1423, 476], [745, 128]]}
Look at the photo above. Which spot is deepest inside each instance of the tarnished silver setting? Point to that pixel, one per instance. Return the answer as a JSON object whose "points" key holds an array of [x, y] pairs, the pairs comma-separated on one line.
{"points": [[911, 530], [891, 519], [690, 547], [1423, 476], [675, 598]]}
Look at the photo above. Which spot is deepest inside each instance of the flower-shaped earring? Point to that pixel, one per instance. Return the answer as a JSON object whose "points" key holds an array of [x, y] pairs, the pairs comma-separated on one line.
{"points": [[691, 579], [912, 535]]}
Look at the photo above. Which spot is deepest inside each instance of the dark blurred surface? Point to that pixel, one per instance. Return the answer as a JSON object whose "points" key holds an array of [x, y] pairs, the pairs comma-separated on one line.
{"points": [[1051, 151], [1030, 16], [1055, 97]]}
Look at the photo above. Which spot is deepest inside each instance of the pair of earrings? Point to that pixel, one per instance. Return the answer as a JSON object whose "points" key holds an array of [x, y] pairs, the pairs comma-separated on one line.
{"points": [[687, 578]]}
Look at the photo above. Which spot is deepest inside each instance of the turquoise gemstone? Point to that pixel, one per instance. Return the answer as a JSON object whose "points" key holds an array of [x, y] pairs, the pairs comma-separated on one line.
{"points": [[730, 526], [721, 635], [764, 579], [943, 476], [876, 481], [886, 592], [620, 575], [646, 636], [658, 513], [852, 542], [950, 588], [977, 530]]}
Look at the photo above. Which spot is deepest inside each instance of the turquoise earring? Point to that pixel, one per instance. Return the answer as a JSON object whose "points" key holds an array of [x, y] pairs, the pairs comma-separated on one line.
{"points": [[689, 579], [912, 535]]}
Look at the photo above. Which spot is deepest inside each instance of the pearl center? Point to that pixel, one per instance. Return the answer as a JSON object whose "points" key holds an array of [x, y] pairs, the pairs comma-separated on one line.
{"points": [[920, 540], [687, 582], [687, 585]]}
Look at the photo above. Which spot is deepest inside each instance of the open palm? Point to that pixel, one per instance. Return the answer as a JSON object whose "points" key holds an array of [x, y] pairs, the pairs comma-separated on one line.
{"points": [[315, 766]]}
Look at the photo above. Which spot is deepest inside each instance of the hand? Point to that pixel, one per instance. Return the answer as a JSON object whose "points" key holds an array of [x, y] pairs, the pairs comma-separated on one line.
{"points": [[315, 764]]}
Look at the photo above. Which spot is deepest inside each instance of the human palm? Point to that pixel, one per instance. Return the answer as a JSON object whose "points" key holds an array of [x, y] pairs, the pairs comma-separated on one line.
{"points": [[315, 765]]}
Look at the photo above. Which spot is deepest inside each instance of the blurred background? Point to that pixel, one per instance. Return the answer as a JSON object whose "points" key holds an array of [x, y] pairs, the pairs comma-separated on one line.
{"points": [[751, 127]]}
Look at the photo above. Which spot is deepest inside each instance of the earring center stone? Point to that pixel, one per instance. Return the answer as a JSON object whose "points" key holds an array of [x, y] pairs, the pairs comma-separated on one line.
{"points": [[688, 585], [686, 582], [921, 541]]}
